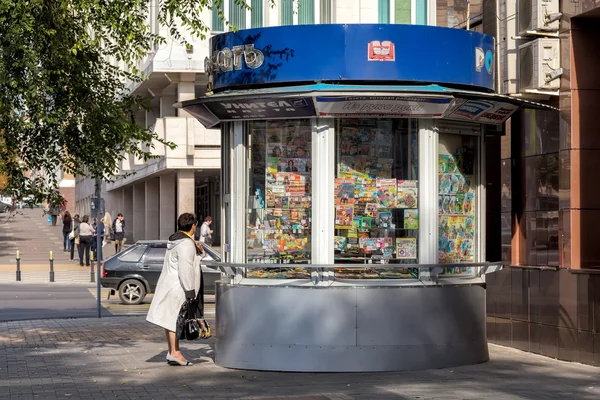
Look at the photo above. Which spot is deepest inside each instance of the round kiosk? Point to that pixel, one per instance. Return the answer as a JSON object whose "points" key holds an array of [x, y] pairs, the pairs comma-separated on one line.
{"points": [[353, 212]]}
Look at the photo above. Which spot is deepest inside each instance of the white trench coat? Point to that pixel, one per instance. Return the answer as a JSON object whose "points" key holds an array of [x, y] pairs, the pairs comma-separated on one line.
{"points": [[181, 273]]}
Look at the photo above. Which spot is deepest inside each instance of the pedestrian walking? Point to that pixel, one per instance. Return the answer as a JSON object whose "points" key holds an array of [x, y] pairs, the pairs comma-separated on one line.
{"points": [[85, 240], [180, 280], [100, 231], [206, 232], [54, 211], [118, 231], [66, 231], [75, 239]]}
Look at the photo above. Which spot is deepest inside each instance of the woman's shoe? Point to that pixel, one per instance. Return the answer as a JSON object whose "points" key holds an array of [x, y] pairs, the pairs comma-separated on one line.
{"points": [[173, 361]]}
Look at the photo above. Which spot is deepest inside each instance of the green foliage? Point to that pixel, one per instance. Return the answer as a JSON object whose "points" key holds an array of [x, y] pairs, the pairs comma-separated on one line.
{"points": [[63, 103]]}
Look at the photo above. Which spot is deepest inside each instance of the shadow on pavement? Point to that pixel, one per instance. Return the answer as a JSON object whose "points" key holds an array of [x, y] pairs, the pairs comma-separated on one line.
{"points": [[124, 357]]}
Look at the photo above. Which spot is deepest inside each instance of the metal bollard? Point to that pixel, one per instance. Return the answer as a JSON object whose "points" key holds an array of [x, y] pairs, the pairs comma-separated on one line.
{"points": [[51, 267], [18, 266], [92, 276]]}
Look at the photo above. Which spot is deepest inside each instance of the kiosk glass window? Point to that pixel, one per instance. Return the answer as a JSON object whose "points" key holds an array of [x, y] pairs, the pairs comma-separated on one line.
{"points": [[278, 229], [376, 197], [457, 201]]}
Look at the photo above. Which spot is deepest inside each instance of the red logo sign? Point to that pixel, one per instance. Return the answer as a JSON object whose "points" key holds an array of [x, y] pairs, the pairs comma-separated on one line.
{"points": [[381, 51]]}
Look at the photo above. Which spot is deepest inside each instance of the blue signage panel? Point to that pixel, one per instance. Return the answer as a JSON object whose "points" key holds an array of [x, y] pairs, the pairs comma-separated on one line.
{"points": [[356, 53]]}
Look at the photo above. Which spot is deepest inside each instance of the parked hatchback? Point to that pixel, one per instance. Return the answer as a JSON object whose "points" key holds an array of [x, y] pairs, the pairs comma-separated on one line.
{"points": [[134, 272]]}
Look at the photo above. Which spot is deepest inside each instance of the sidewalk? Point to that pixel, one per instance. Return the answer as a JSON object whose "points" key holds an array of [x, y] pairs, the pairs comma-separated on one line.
{"points": [[124, 358], [35, 238]]}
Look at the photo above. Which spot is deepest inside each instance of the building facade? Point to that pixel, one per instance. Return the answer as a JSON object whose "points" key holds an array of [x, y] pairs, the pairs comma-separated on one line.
{"points": [[547, 300]]}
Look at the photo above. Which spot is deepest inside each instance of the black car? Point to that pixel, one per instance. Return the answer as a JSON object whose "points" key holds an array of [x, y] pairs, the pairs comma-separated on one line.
{"points": [[134, 272]]}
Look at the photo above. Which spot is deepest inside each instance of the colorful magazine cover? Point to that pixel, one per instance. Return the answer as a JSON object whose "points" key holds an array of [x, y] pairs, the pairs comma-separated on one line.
{"points": [[371, 210], [411, 219], [384, 220], [343, 217], [408, 194], [406, 248], [366, 222], [344, 191], [353, 231], [340, 243], [386, 193]]}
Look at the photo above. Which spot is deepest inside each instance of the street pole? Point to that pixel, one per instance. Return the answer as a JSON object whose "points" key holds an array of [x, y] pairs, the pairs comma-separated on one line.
{"points": [[99, 216]]}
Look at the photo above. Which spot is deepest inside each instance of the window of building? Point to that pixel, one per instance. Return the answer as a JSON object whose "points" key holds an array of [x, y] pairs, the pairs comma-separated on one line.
{"points": [[237, 15], [306, 12], [278, 228], [376, 197], [457, 201], [256, 20], [384, 11], [326, 14], [402, 11], [217, 16], [287, 12]]}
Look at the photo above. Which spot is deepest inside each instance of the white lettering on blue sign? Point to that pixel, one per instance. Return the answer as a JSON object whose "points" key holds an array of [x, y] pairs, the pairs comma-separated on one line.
{"points": [[231, 59]]}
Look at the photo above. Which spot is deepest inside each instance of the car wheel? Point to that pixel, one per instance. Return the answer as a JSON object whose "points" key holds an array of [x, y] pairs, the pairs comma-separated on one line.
{"points": [[132, 292]]}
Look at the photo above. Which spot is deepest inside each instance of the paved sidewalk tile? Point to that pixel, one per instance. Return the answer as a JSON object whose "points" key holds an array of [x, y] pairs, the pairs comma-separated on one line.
{"points": [[124, 358]]}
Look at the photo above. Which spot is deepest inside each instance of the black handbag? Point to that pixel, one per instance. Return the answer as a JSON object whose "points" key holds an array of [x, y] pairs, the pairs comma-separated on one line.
{"points": [[191, 324]]}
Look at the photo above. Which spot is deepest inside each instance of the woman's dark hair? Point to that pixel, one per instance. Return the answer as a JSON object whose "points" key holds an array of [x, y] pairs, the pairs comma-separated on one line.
{"points": [[86, 219], [186, 221], [208, 219], [67, 217], [76, 217]]}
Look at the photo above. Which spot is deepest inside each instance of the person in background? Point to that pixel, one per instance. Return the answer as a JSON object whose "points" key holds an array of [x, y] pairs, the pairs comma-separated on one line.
{"points": [[99, 228], [100, 231], [180, 280], [54, 211], [75, 241], [85, 240], [206, 232], [94, 237], [118, 229], [66, 231]]}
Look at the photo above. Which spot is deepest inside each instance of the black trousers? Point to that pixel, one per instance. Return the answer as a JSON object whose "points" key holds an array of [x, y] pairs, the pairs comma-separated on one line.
{"points": [[85, 245]]}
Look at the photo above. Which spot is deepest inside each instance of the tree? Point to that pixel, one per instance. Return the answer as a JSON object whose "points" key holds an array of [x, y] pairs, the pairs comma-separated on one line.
{"points": [[63, 105]]}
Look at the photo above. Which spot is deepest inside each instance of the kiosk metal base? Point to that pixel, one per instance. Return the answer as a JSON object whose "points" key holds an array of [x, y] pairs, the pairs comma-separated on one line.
{"points": [[350, 329]]}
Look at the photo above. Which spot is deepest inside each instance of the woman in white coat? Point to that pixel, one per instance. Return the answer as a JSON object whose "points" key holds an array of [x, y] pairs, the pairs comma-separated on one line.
{"points": [[179, 280]]}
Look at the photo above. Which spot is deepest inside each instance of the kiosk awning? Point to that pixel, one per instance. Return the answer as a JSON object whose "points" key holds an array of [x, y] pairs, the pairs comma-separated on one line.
{"points": [[337, 100]]}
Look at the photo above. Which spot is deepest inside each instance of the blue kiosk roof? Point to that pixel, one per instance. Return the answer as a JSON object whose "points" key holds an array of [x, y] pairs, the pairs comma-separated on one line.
{"points": [[351, 70]]}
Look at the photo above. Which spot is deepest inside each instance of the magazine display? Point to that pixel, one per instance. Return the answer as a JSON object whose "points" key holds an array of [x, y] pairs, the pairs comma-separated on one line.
{"points": [[456, 204], [376, 197], [279, 227]]}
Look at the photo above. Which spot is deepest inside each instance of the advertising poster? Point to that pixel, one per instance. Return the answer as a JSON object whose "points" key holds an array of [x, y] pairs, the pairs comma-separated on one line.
{"points": [[411, 219], [406, 248], [407, 194]]}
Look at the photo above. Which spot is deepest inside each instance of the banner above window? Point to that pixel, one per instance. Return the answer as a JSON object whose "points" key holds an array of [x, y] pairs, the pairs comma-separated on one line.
{"points": [[323, 100]]}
